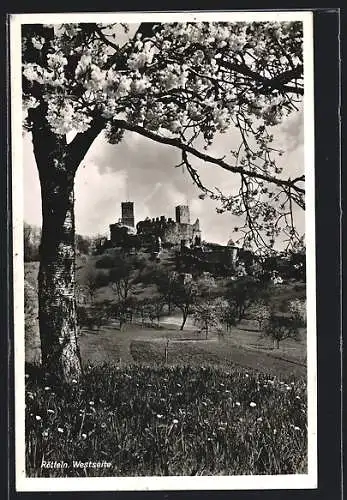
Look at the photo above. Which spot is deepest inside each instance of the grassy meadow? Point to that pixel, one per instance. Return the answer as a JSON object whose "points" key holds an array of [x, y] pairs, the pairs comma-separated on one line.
{"points": [[160, 401]]}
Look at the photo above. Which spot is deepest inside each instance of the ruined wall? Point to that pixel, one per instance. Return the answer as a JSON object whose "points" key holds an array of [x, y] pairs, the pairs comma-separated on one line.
{"points": [[169, 231]]}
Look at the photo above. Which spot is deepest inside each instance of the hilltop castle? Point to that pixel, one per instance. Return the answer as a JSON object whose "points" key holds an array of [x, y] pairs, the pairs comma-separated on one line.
{"points": [[171, 232]]}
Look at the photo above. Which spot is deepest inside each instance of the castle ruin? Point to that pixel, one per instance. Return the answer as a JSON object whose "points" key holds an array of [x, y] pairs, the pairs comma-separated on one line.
{"points": [[178, 232]]}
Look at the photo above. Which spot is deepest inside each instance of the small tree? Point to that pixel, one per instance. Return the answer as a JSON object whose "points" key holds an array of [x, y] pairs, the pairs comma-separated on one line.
{"points": [[83, 244], [227, 313], [298, 308], [157, 306], [184, 296], [282, 326], [91, 282], [165, 285], [261, 313], [31, 242], [120, 277], [243, 292], [206, 315]]}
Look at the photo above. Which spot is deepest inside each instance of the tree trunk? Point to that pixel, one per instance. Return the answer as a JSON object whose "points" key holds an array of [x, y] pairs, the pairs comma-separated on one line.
{"points": [[185, 316], [57, 304], [57, 163], [276, 343]]}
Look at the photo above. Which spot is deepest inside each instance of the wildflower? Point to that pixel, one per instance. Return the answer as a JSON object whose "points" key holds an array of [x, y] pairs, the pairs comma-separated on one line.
{"points": [[45, 434], [47, 388], [252, 404], [84, 436], [204, 403], [275, 431], [74, 381], [103, 425], [246, 375], [297, 397], [296, 428], [259, 419], [60, 430], [159, 416], [38, 418], [178, 385], [91, 403], [175, 421], [50, 411]]}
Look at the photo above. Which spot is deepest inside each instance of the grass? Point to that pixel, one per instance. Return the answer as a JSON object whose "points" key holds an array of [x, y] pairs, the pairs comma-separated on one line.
{"points": [[177, 420], [187, 414]]}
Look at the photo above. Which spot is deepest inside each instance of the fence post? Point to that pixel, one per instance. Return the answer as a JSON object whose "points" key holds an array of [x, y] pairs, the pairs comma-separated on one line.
{"points": [[166, 350]]}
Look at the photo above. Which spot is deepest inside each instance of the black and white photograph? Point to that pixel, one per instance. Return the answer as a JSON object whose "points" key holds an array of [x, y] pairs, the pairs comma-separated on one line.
{"points": [[164, 251]]}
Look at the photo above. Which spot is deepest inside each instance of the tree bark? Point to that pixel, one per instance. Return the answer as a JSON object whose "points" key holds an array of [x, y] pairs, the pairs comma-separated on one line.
{"points": [[57, 302]]}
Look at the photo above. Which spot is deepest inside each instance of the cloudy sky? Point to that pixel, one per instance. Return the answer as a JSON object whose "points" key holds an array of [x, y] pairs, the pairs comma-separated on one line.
{"points": [[140, 170]]}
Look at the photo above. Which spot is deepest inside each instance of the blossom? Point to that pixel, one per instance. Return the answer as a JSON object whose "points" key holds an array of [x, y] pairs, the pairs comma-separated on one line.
{"points": [[252, 404], [38, 418], [38, 42], [175, 421], [50, 411], [60, 430]]}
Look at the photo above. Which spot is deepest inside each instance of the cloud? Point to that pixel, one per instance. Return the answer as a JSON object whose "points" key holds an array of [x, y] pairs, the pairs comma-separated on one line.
{"points": [[146, 172]]}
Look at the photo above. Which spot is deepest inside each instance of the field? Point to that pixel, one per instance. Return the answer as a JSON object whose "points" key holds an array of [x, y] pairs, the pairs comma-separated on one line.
{"points": [[160, 401], [167, 421]]}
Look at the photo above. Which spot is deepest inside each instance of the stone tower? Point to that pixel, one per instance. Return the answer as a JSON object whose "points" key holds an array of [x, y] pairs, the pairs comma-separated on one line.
{"points": [[128, 218], [182, 214]]}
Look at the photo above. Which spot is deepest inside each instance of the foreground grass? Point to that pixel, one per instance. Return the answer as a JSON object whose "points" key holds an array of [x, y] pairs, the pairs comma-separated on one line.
{"points": [[167, 421]]}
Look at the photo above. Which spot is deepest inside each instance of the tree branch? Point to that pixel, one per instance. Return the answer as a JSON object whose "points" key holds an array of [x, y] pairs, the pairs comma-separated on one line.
{"points": [[279, 82], [207, 158], [79, 146]]}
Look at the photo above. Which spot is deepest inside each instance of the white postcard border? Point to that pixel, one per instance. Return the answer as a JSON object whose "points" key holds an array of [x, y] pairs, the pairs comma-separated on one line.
{"points": [[297, 481]]}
